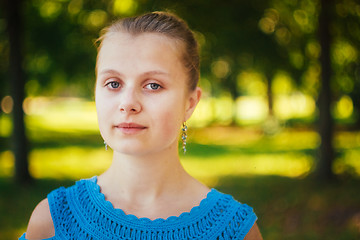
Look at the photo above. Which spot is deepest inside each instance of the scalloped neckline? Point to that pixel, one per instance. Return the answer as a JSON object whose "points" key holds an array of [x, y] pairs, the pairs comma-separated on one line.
{"points": [[196, 212]]}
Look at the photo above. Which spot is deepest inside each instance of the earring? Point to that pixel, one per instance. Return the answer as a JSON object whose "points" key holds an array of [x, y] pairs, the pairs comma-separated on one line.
{"points": [[184, 136], [106, 146]]}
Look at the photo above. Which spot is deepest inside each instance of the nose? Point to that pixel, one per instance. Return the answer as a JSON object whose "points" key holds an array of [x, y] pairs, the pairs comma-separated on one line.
{"points": [[129, 101]]}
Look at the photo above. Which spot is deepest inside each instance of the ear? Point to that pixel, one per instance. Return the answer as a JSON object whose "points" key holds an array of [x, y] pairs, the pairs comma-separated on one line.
{"points": [[192, 101]]}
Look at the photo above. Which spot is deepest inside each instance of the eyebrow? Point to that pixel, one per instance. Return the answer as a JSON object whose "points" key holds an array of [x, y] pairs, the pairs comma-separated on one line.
{"points": [[109, 71], [155, 72], [148, 73]]}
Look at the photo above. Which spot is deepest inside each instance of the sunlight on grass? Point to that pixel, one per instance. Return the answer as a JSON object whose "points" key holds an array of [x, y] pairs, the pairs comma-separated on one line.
{"points": [[76, 162], [213, 153], [70, 114], [287, 139], [210, 170], [69, 162]]}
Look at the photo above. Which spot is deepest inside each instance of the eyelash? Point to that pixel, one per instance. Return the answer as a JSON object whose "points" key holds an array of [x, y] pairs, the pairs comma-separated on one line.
{"points": [[110, 85], [158, 86], [148, 86]]}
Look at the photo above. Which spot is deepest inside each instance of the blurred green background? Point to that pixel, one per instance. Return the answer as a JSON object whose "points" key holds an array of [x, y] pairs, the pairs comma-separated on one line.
{"points": [[256, 133]]}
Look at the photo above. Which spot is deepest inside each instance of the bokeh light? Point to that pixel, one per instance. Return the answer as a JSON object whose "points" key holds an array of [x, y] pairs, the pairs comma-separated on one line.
{"points": [[7, 104]]}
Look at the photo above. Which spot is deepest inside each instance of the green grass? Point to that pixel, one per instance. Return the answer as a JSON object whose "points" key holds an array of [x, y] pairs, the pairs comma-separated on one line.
{"points": [[17, 203], [299, 209]]}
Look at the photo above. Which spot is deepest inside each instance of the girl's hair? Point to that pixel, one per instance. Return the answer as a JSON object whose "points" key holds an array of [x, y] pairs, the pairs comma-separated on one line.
{"points": [[162, 23]]}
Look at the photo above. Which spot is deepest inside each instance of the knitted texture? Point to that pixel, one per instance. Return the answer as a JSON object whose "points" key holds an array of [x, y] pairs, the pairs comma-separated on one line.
{"points": [[81, 212]]}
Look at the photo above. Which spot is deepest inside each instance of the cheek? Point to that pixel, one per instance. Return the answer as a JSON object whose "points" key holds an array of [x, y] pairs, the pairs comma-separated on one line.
{"points": [[103, 109], [171, 118]]}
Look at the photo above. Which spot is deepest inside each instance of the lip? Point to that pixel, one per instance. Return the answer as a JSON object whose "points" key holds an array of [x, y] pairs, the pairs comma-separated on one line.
{"points": [[130, 128]]}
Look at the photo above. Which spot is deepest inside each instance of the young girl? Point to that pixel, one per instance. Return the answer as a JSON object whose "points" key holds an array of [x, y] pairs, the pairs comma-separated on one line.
{"points": [[146, 89]]}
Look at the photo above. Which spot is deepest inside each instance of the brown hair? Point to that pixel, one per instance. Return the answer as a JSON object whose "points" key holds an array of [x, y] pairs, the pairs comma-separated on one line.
{"points": [[163, 23]]}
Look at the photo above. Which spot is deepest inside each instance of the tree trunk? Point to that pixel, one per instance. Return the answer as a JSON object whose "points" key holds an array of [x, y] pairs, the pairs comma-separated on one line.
{"points": [[326, 152], [17, 83], [270, 96]]}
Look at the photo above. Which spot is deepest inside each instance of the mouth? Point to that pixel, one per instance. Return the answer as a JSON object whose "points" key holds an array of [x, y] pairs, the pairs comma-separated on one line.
{"points": [[130, 128]]}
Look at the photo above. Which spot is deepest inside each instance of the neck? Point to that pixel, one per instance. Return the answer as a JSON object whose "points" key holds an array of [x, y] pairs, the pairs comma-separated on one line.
{"points": [[145, 177], [152, 186]]}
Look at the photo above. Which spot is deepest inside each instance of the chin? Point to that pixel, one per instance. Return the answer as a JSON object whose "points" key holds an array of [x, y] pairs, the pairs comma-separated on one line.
{"points": [[132, 150], [139, 151]]}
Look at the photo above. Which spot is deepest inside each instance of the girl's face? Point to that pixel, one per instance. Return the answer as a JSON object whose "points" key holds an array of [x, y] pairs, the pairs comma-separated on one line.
{"points": [[141, 95]]}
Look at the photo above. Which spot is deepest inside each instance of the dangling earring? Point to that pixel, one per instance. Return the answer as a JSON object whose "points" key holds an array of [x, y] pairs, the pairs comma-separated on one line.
{"points": [[184, 136], [106, 146]]}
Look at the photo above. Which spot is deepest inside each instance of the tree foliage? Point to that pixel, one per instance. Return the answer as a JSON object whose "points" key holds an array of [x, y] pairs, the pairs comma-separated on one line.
{"points": [[265, 36]]}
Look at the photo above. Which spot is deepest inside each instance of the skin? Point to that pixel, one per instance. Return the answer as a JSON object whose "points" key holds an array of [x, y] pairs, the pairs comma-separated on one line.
{"points": [[142, 99]]}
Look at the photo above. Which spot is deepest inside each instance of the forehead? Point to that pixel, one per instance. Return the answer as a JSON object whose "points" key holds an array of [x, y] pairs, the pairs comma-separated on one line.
{"points": [[138, 53], [138, 41], [142, 44]]}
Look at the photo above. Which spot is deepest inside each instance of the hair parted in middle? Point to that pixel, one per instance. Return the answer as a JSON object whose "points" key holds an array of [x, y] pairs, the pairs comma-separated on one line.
{"points": [[167, 24]]}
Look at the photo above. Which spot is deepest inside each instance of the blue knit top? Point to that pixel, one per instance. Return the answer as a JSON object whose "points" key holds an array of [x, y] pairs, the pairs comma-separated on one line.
{"points": [[81, 212]]}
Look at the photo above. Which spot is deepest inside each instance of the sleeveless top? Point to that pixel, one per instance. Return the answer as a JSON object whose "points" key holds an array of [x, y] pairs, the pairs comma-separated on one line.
{"points": [[81, 212]]}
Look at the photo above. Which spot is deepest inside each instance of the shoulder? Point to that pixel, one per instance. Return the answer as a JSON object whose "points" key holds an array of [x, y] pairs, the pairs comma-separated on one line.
{"points": [[40, 224], [45, 217], [241, 218], [254, 233], [242, 210]]}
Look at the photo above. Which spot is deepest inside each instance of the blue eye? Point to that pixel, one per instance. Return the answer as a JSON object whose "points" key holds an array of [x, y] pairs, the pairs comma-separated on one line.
{"points": [[114, 84], [153, 86]]}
